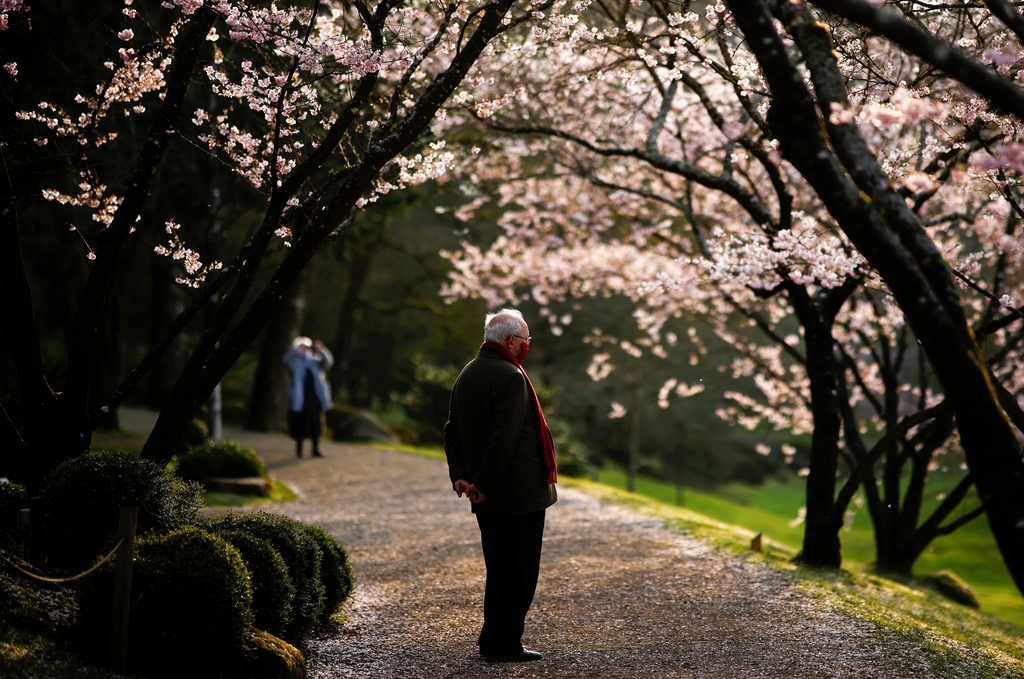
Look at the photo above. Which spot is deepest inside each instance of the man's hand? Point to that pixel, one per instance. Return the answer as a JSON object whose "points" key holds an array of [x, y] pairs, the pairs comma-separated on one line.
{"points": [[475, 496], [461, 487]]}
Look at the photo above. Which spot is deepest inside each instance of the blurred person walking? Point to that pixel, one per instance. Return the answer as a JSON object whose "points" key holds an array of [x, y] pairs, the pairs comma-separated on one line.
{"points": [[502, 456], [309, 393]]}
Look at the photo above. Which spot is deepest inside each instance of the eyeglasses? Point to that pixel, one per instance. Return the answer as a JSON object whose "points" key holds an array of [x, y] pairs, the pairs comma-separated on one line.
{"points": [[525, 339]]}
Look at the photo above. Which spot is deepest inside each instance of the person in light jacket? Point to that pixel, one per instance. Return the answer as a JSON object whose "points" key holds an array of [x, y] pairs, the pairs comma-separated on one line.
{"points": [[309, 393]]}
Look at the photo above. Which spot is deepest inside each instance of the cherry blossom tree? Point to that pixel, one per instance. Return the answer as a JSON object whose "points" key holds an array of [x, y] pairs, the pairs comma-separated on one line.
{"points": [[882, 223], [647, 169], [320, 106]]}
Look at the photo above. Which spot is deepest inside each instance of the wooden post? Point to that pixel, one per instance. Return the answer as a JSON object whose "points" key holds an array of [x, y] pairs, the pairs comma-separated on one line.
{"points": [[755, 543], [118, 650]]}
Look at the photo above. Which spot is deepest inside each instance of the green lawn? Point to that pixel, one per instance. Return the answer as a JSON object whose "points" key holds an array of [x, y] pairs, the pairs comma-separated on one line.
{"points": [[970, 552], [279, 493]]}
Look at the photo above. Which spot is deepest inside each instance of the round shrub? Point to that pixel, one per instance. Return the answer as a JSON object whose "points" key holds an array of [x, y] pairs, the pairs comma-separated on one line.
{"points": [[272, 588], [335, 571], [83, 495], [299, 551], [196, 434], [191, 606], [192, 603], [12, 536], [220, 459]]}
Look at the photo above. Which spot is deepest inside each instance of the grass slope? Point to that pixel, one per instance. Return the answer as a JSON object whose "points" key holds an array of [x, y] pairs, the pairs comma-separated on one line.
{"points": [[279, 492], [970, 552], [960, 641]]}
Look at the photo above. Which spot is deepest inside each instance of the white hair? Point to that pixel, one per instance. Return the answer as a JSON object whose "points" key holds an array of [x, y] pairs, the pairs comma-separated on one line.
{"points": [[502, 324], [301, 342]]}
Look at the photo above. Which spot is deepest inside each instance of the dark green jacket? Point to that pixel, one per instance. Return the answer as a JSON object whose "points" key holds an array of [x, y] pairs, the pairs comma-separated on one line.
{"points": [[491, 437]]}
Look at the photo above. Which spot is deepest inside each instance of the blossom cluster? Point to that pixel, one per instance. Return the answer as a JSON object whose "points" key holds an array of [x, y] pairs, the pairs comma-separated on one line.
{"points": [[195, 270]]}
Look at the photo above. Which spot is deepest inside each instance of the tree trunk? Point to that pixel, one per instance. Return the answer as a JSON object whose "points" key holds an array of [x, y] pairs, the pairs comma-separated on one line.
{"points": [[267, 397], [633, 463], [821, 546], [106, 368], [166, 304], [21, 338], [358, 272]]}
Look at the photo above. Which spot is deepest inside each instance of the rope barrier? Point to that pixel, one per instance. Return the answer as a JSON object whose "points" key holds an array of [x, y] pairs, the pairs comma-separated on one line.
{"points": [[40, 578]]}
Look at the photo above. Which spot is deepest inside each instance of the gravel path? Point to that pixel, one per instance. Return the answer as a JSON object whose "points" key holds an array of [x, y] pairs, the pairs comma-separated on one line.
{"points": [[619, 594]]}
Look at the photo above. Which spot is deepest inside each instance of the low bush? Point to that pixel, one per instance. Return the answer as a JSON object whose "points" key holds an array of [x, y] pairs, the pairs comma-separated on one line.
{"points": [[272, 588], [220, 459], [301, 554], [191, 606], [83, 495], [335, 571], [12, 536], [196, 434]]}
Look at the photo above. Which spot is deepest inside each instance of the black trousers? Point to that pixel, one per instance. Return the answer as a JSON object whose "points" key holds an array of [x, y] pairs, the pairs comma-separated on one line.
{"points": [[512, 544]]}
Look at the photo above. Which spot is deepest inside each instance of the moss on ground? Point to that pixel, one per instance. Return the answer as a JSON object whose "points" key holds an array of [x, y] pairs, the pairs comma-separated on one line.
{"points": [[960, 641], [29, 655], [432, 452]]}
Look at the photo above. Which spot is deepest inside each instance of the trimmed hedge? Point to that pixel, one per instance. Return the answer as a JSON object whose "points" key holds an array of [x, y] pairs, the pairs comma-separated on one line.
{"points": [[191, 606], [220, 459], [300, 552], [272, 588], [82, 501], [192, 603], [335, 572], [195, 434]]}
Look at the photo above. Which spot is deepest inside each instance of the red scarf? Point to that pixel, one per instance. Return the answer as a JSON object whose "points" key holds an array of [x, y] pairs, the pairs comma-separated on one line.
{"points": [[547, 443]]}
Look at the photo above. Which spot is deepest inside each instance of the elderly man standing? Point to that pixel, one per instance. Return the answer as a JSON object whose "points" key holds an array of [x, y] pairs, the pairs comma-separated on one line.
{"points": [[501, 455]]}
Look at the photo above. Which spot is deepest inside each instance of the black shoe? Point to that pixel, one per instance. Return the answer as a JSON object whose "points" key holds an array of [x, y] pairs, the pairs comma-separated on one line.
{"points": [[317, 453], [524, 655]]}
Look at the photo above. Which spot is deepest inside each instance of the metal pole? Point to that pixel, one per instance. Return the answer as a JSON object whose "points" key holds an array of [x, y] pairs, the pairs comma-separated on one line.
{"points": [[216, 409], [118, 649]]}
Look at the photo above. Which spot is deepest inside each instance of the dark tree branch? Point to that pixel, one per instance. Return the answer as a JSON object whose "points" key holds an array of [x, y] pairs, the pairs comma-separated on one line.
{"points": [[859, 379], [283, 94], [417, 60], [962, 521], [731, 188], [766, 328], [985, 293], [932, 49], [1008, 15], [930, 528], [886, 443]]}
